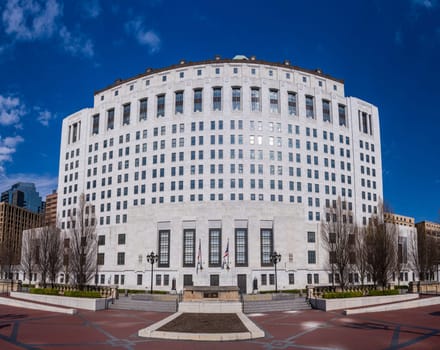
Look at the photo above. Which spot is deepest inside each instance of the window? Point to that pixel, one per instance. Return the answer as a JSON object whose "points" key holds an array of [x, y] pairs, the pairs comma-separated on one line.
{"points": [[273, 100], [143, 109], [241, 247], [139, 279], [179, 102], [311, 237], [326, 111], [100, 259], [198, 100], [291, 278], [310, 113], [236, 98], [342, 116], [266, 246], [187, 280], [110, 119], [264, 280], [217, 99], [121, 258], [101, 240], [255, 99], [291, 102], [95, 124], [164, 248], [311, 257], [121, 238], [126, 114], [215, 247], [189, 241], [160, 105]]}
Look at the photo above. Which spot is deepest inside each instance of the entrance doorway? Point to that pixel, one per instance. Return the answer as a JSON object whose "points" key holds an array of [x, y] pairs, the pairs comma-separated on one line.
{"points": [[242, 283]]}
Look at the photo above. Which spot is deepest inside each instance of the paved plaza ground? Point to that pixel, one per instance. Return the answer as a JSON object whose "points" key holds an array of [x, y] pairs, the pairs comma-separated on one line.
{"points": [[116, 329]]}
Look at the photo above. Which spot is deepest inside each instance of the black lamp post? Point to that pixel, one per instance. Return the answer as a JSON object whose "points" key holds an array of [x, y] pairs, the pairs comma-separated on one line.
{"points": [[152, 258], [275, 258]]}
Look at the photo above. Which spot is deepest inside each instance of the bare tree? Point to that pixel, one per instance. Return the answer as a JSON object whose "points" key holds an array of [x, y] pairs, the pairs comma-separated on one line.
{"points": [[338, 232], [361, 253], [55, 255], [381, 248], [82, 244], [45, 235], [29, 248], [425, 254]]}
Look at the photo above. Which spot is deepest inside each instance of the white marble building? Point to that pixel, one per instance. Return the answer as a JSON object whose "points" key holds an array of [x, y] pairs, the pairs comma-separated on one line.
{"points": [[199, 154]]}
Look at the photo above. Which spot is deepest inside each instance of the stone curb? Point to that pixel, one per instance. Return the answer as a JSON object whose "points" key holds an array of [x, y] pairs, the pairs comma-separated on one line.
{"points": [[35, 306], [396, 306]]}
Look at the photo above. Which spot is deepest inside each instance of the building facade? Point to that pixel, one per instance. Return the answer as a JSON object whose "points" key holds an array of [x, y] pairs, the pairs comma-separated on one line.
{"points": [[13, 221], [24, 195], [50, 212], [213, 165]]}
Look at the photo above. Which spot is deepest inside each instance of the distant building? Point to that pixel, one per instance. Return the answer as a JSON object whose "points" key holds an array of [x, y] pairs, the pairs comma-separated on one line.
{"points": [[407, 242], [50, 213], [23, 195], [13, 220], [430, 228]]}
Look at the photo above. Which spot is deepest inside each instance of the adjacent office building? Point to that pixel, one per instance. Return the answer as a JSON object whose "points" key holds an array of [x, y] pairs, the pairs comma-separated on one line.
{"points": [[213, 165], [24, 195]]}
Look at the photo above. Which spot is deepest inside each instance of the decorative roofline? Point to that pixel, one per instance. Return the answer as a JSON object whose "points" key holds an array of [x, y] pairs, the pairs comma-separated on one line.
{"points": [[218, 60]]}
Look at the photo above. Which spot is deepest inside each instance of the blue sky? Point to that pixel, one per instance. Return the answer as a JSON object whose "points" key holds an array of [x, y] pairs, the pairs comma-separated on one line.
{"points": [[54, 54]]}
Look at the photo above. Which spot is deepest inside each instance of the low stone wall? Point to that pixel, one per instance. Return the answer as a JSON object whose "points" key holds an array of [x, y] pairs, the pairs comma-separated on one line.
{"points": [[346, 303], [425, 287], [210, 306], [7, 286], [77, 303]]}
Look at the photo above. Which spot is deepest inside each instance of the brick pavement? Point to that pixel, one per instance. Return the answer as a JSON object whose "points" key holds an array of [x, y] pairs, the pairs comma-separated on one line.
{"points": [[117, 329]]}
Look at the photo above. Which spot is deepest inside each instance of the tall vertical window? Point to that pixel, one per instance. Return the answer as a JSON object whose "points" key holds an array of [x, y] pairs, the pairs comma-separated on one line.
{"points": [[95, 124], [402, 253], [217, 99], [255, 99], [198, 100], [160, 105], [241, 247], [266, 246], [342, 115], [273, 99], [215, 247], [326, 110], [143, 109], [164, 248], [189, 242], [291, 102], [110, 119], [363, 122], [236, 98], [126, 114], [310, 112], [179, 102]]}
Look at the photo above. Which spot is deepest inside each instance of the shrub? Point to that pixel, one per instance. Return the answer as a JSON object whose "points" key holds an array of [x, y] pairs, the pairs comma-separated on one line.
{"points": [[82, 294], [337, 295], [383, 292], [44, 291]]}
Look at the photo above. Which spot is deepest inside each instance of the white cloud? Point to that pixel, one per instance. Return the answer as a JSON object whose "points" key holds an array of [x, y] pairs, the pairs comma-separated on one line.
{"points": [[45, 183], [11, 110], [29, 20], [44, 116], [144, 37], [8, 146], [91, 8], [76, 45], [425, 3]]}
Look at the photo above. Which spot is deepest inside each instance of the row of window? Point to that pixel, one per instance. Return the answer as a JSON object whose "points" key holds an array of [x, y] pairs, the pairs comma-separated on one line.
{"points": [[217, 105]]}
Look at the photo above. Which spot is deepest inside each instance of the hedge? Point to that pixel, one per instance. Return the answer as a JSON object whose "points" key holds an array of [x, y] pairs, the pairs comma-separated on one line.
{"points": [[82, 294], [337, 295], [383, 292], [44, 291]]}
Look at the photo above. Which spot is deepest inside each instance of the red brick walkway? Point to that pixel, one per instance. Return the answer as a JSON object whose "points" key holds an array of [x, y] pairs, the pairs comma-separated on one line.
{"points": [[114, 329]]}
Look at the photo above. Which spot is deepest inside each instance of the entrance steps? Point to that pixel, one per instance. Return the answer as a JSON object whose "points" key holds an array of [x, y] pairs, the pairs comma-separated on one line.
{"points": [[258, 306], [127, 303]]}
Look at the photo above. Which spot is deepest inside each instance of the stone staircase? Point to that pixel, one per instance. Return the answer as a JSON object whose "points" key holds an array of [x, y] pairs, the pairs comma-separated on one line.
{"points": [[258, 306], [128, 303]]}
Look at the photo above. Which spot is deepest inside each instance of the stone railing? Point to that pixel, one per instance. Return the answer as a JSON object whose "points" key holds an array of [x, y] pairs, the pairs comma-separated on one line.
{"points": [[422, 287], [7, 286], [318, 291], [105, 291]]}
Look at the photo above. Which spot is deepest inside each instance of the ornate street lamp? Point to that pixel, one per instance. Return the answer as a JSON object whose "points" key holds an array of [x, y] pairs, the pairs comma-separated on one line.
{"points": [[275, 258], [152, 258]]}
